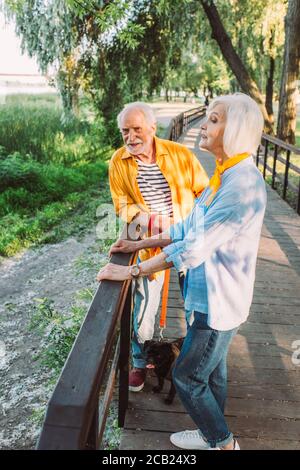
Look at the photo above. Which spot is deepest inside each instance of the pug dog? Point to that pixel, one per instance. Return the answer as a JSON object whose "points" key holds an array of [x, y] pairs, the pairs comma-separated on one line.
{"points": [[160, 357]]}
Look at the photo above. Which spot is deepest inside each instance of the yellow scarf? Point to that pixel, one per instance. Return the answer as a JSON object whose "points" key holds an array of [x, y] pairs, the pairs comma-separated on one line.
{"points": [[216, 180]]}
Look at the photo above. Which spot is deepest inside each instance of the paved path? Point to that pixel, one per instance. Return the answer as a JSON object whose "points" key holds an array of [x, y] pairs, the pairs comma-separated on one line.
{"points": [[263, 406]]}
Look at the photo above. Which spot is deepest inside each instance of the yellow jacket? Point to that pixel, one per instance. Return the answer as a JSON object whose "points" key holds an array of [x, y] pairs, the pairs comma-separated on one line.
{"points": [[183, 172]]}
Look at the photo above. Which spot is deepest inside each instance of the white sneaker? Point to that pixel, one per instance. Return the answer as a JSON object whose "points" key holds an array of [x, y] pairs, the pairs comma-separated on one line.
{"points": [[189, 440], [193, 440], [235, 447]]}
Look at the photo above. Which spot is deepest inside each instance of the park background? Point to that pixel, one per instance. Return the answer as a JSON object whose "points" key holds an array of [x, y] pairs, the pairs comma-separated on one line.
{"points": [[58, 131]]}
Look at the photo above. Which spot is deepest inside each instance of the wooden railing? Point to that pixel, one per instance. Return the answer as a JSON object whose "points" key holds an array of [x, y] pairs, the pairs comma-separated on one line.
{"points": [[181, 122], [78, 408], [278, 151], [76, 414]]}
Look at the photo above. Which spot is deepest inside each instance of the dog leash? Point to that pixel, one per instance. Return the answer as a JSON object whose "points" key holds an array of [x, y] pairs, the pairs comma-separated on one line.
{"points": [[164, 304]]}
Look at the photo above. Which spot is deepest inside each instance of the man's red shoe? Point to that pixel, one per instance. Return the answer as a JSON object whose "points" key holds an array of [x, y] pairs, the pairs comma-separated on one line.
{"points": [[137, 379]]}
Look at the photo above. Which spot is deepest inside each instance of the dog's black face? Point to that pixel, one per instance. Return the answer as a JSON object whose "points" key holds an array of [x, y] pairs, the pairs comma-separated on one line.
{"points": [[159, 355]]}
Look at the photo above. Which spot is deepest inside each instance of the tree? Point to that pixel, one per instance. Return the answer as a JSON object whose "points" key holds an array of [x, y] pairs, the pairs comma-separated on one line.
{"points": [[113, 50], [247, 84], [121, 50], [290, 74]]}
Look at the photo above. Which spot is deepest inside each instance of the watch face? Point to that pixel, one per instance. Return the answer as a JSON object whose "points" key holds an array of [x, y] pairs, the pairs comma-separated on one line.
{"points": [[135, 271]]}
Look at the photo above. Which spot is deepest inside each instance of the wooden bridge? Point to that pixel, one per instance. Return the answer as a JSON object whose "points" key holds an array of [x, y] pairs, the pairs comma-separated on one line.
{"points": [[263, 406]]}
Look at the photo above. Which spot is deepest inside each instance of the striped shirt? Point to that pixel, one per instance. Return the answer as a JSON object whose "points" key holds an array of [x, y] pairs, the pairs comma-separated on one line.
{"points": [[154, 188]]}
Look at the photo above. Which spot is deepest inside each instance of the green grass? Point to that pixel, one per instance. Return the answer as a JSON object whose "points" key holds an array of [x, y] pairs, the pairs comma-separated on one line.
{"points": [[61, 332], [54, 222], [52, 176], [36, 131]]}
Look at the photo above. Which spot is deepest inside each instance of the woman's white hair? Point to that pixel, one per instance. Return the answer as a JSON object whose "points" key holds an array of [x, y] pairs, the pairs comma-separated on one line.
{"points": [[144, 108], [244, 123]]}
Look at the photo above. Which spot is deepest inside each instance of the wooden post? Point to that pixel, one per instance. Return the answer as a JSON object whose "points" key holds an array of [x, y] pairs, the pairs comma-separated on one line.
{"points": [[125, 341], [92, 439], [286, 174], [265, 159], [274, 166], [257, 156], [298, 202]]}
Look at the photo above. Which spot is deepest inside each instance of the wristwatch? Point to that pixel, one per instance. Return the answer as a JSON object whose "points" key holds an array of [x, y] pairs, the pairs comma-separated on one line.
{"points": [[135, 271]]}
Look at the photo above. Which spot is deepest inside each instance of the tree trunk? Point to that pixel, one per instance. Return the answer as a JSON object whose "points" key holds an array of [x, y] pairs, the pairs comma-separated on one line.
{"points": [[270, 80], [269, 90], [290, 71], [233, 60]]}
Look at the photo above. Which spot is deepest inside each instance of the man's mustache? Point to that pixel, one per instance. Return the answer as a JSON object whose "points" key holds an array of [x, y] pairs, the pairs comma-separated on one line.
{"points": [[136, 142]]}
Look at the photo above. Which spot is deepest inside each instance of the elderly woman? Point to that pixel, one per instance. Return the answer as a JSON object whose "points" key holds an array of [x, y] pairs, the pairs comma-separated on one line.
{"points": [[217, 244]]}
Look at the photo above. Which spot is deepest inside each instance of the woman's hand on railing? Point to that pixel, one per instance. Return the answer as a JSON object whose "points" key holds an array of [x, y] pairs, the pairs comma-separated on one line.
{"points": [[123, 246], [114, 272]]}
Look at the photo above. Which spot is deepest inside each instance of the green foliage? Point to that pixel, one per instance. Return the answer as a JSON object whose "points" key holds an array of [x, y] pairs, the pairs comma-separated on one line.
{"points": [[118, 51], [95, 42], [28, 185], [112, 435], [51, 222], [40, 191], [30, 129], [34, 128]]}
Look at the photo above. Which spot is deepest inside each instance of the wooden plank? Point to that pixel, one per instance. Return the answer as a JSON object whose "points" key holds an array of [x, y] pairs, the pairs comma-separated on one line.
{"points": [[276, 339], [289, 330], [145, 440], [257, 299], [177, 316], [270, 332], [282, 309], [260, 292], [284, 392], [263, 376], [175, 312], [261, 362], [234, 406], [242, 390], [253, 427], [268, 444], [274, 318], [257, 427], [240, 345], [148, 440], [276, 392], [276, 300]]}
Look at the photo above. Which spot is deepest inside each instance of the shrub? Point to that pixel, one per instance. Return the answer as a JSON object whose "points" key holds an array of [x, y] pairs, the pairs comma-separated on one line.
{"points": [[26, 185]]}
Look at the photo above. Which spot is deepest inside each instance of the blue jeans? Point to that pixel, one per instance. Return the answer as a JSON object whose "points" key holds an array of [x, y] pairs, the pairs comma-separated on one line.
{"points": [[200, 378]]}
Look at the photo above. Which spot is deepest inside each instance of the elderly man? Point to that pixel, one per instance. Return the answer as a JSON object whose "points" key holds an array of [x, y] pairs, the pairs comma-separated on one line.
{"points": [[153, 183]]}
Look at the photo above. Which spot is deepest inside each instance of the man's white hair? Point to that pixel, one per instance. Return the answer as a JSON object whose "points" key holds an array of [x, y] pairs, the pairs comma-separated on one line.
{"points": [[144, 108], [244, 123]]}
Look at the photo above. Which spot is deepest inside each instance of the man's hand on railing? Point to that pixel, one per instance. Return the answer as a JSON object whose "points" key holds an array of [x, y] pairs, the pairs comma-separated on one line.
{"points": [[123, 246]]}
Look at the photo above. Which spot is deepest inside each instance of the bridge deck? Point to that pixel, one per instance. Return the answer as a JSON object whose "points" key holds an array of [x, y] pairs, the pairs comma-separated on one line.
{"points": [[263, 406]]}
